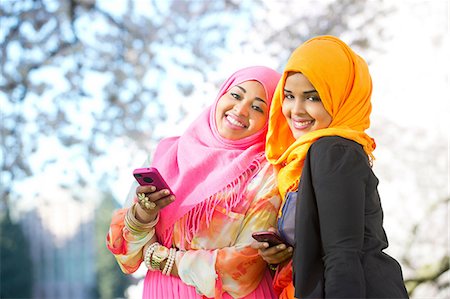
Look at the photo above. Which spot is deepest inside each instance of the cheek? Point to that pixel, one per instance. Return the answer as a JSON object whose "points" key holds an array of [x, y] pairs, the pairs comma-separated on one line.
{"points": [[325, 119], [285, 109], [218, 113], [330, 119], [260, 121], [223, 104]]}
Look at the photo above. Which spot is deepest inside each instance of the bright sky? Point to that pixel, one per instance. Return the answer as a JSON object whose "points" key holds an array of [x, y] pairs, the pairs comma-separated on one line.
{"points": [[411, 79]]}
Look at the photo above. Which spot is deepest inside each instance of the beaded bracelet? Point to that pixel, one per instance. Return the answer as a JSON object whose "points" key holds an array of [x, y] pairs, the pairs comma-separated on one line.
{"points": [[148, 254], [170, 261]]}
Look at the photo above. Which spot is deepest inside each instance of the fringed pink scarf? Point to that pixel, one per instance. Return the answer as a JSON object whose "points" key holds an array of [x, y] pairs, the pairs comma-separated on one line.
{"points": [[200, 163]]}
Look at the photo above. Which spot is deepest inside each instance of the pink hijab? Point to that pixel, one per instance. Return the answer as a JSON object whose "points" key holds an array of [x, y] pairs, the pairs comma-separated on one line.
{"points": [[200, 163]]}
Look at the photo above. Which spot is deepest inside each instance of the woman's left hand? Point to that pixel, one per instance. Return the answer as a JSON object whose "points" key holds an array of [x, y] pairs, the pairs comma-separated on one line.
{"points": [[273, 255]]}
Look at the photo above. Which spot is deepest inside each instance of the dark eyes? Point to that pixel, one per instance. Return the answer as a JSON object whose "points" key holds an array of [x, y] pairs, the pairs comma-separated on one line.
{"points": [[236, 96], [239, 97], [288, 96], [257, 108], [313, 98]]}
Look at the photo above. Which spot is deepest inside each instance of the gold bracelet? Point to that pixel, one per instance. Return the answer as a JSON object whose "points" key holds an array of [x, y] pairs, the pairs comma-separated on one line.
{"points": [[160, 254], [148, 254]]}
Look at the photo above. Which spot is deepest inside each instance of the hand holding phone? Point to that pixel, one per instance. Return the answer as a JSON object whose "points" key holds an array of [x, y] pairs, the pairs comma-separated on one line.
{"points": [[267, 236], [151, 176]]}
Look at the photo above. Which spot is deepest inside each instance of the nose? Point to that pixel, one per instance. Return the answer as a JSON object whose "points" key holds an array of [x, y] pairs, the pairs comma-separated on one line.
{"points": [[299, 106], [242, 108]]}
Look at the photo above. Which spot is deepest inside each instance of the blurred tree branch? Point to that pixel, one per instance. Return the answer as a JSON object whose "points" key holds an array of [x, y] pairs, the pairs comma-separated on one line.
{"points": [[78, 76], [429, 273], [51, 49], [428, 232], [69, 38]]}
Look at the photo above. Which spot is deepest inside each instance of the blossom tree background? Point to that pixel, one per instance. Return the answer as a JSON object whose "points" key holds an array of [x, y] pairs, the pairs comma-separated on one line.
{"points": [[87, 88]]}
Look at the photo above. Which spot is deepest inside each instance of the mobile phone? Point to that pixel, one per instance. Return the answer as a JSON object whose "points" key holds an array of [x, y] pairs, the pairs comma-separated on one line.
{"points": [[266, 236], [151, 176]]}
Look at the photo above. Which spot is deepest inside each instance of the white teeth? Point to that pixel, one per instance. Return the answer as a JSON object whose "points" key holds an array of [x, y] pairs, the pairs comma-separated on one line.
{"points": [[302, 123], [235, 122]]}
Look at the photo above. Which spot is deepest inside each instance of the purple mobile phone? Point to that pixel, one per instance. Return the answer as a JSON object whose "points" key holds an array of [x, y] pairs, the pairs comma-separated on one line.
{"points": [[270, 237], [150, 176]]}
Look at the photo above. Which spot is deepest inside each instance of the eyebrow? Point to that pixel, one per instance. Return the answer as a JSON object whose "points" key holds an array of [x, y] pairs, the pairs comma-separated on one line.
{"points": [[244, 91], [305, 92], [309, 91]]}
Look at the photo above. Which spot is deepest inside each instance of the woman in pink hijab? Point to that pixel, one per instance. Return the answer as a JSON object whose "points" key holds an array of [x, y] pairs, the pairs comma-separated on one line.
{"points": [[196, 244]]}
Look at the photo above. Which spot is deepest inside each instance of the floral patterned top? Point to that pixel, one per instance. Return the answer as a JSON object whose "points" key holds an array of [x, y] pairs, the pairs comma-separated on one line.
{"points": [[219, 255]]}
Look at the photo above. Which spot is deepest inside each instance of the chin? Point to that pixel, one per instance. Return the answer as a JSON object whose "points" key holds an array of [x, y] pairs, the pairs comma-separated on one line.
{"points": [[226, 135], [297, 135]]}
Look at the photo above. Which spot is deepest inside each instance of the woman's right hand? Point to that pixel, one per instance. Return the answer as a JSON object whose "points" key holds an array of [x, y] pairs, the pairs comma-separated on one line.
{"points": [[156, 200]]}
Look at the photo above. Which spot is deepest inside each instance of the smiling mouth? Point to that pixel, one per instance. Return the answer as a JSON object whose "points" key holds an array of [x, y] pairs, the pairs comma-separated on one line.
{"points": [[235, 122], [302, 124]]}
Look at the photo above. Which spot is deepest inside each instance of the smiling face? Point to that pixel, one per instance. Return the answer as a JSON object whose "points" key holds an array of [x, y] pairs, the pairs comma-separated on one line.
{"points": [[302, 106], [242, 110]]}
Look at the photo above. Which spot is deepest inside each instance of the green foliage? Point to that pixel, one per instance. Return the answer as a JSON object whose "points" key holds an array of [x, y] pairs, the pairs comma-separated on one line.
{"points": [[16, 279], [111, 281]]}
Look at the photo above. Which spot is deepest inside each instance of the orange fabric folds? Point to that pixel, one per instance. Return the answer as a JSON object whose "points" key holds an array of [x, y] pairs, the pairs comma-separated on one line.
{"points": [[343, 82], [114, 239]]}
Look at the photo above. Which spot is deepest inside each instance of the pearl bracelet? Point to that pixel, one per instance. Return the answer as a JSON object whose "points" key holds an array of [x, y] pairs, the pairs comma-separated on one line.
{"points": [[148, 254], [170, 261]]}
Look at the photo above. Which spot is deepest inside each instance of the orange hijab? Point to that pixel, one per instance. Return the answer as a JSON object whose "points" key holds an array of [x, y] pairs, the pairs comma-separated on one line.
{"points": [[343, 82]]}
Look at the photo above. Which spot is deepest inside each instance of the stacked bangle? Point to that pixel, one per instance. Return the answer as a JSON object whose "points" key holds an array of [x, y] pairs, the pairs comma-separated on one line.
{"points": [[134, 226], [170, 261]]}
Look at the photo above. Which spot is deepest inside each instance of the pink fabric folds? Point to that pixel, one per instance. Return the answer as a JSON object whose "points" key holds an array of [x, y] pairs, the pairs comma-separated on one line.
{"points": [[157, 286], [200, 163]]}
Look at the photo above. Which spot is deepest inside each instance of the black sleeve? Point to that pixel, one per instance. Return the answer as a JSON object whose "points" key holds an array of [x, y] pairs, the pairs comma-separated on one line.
{"points": [[339, 175]]}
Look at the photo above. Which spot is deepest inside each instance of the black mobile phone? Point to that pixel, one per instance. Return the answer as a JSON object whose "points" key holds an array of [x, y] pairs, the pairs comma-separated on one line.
{"points": [[266, 236], [150, 176]]}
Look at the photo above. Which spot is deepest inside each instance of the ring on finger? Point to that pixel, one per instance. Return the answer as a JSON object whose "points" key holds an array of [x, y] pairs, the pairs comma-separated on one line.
{"points": [[145, 203]]}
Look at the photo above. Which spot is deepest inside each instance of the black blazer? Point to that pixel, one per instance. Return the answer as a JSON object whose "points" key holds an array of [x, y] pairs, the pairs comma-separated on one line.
{"points": [[339, 235]]}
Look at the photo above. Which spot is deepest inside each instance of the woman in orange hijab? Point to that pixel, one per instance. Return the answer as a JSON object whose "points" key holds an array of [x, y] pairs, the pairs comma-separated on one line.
{"points": [[332, 213]]}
